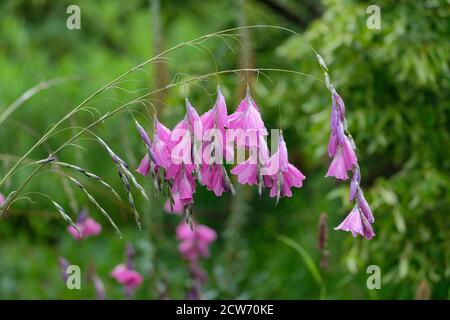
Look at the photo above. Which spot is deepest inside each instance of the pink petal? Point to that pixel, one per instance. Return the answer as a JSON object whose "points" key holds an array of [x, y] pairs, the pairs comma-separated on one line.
{"points": [[368, 230], [205, 234], [91, 227], [246, 173], [352, 223], [184, 232], [162, 132], [74, 232], [337, 168], [362, 202], [144, 167], [332, 144], [348, 154]]}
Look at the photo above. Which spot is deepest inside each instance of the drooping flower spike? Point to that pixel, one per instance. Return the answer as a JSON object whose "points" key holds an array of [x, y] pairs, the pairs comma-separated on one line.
{"points": [[342, 148]]}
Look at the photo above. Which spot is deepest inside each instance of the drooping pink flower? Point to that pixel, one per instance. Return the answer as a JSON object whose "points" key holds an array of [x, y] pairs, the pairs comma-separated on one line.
{"points": [[217, 116], [247, 121], [215, 122], [184, 186], [158, 153], [191, 123], [337, 168], [88, 227], [126, 276], [194, 243], [247, 171], [215, 148], [283, 175], [357, 223], [213, 178], [364, 206], [144, 166]]}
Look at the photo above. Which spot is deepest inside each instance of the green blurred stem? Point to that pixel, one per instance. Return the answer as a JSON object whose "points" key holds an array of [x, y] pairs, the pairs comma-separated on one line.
{"points": [[309, 261]]}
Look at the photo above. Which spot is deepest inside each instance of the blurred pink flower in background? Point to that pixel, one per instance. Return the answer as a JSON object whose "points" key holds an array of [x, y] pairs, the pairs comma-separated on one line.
{"points": [[2, 199], [195, 243], [88, 227], [129, 278], [126, 275]]}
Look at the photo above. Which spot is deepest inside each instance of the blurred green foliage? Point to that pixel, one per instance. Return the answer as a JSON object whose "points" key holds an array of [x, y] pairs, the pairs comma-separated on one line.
{"points": [[394, 81]]}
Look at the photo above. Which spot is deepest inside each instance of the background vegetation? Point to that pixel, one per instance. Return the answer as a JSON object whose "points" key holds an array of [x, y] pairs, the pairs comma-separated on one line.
{"points": [[395, 82]]}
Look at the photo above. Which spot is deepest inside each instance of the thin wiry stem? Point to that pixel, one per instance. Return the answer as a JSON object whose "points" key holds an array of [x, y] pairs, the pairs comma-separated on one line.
{"points": [[28, 94]]}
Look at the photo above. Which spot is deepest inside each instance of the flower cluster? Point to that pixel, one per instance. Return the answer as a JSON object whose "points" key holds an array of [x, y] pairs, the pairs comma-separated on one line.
{"points": [[198, 146], [342, 148], [194, 243]]}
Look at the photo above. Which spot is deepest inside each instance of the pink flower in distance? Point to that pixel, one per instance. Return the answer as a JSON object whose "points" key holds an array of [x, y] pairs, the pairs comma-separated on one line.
{"points": [[357, 223], [194, 243], [126, 276], [88, 227], [283, 175], [2, 200]]}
